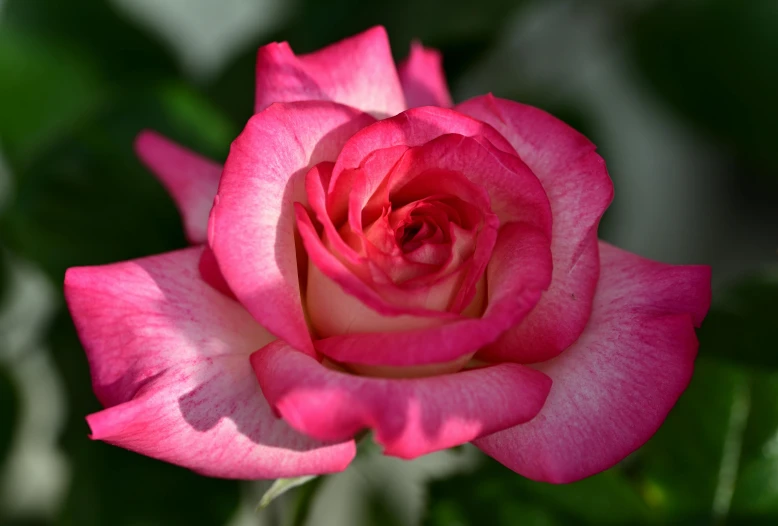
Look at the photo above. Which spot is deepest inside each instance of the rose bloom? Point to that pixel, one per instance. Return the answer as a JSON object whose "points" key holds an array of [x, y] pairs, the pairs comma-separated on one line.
{"points": [[370, 257]]}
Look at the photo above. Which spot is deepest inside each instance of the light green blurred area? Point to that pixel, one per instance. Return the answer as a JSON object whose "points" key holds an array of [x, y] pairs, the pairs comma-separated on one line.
{"points": [[681, 96]]}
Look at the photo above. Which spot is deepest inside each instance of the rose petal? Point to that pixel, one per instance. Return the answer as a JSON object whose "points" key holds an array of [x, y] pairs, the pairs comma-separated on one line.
{"points": [[348, 286], [411, 128], [169, 358], [471, 249], [615, 385], [316, 184], [579, 190], [332, 311], [192, 180], [358, 72], [514, 193], [423, 79], [212, 275], [455, 164], [352, 271], [411, 417], [252, 222], [519, 270]]}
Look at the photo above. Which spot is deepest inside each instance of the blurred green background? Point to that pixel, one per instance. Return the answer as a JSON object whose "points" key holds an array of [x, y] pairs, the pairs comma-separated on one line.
{"points": [[681, 97]]}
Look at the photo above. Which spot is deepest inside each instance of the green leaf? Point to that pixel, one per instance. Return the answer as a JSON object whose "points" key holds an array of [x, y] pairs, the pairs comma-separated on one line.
{"points": [[281, 486]]}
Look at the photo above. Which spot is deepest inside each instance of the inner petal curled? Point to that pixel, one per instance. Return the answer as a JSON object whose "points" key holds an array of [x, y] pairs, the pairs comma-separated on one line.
{"points": [[403, 242], [412, 248]]}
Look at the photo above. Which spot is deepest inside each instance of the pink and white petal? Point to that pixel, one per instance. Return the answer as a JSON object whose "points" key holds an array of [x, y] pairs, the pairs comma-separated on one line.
{"points": [[514, 193], [518, 272], [410, 416], [252, 224], [337, 298], [140, 317], [192, 180], [411, 128], [473, 170], [169, 358], [363, 199], [480, 259], [316, 182], [579, 190], [333, 311], [453, 166], [210, 416], [358, 72], [614, 386], [423, 79]]}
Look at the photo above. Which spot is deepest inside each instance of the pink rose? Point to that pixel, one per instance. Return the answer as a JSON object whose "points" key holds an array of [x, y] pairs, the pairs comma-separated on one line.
{"points": [[366, 265]]}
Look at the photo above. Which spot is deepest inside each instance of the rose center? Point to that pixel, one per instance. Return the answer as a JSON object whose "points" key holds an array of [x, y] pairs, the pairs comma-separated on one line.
{"points": [[411, 236], [406, 233]]}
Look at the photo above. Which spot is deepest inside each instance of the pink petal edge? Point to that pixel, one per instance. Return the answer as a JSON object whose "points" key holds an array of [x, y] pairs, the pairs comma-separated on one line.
{"points": [[410, 417], [423, 79], [190, 179], [358, 71], [579, 190], [518, 272], [414, 127], [614, 386], [169, 358], [252, 224]]}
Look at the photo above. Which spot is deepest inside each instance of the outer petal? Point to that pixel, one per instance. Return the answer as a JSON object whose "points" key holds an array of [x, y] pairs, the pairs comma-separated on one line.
{"points": [[358, 72], [169, 357], [411, 417], [252, 222], [423, 79], [192, 180], [579, 191], [615, 385]]}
